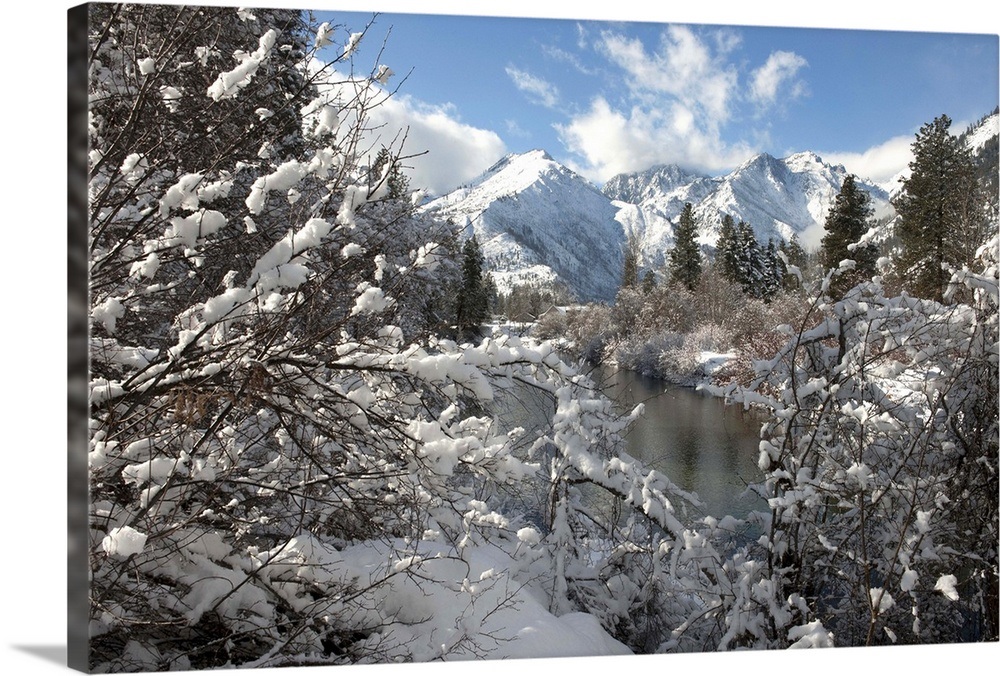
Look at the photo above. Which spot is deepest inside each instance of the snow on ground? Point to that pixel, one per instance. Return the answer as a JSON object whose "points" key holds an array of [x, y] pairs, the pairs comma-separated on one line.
{"points": [[479, 603], [709, 362]]}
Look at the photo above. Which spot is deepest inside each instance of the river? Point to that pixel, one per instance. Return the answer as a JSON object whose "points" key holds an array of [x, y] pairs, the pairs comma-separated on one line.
{"points": [[697, 441]]}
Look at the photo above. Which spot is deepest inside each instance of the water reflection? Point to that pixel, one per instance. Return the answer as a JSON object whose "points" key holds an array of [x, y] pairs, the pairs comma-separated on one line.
{"points": [[698, 442]]}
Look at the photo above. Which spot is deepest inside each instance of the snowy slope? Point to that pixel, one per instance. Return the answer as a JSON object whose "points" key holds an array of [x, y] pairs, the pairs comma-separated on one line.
{"points": [[981, 134], [539, 222], [778, 197], [781, 198], [650, 202]]}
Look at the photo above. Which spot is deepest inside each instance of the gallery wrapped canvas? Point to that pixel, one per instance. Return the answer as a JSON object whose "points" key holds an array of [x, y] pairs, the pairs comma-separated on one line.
{"points": [[354, 379]]}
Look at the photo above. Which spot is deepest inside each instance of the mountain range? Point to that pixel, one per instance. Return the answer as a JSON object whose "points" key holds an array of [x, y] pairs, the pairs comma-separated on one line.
{"points": [[541, 223]]}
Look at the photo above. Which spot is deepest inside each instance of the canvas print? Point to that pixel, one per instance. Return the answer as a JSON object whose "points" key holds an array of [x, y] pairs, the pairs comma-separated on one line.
{"points": [[416, 338]]}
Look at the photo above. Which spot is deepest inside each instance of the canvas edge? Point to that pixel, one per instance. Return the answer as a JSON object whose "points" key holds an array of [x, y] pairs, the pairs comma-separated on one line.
{"points": [[78, 602]]}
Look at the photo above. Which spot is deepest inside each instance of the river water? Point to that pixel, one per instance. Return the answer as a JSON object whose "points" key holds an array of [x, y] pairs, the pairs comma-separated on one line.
{"points": [[697, 441]]}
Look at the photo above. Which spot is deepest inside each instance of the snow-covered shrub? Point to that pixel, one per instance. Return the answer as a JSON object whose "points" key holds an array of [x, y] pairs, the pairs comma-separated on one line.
{"points": [[718, 298], [677, 360], [552, 325], [753, 332], [588, 330], [287, 464], [641, 353], [628, 312], [671, 307], [880, 458], [709, 336]]}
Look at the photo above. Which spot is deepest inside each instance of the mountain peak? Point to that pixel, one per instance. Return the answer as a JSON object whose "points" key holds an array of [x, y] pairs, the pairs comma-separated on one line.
{"points": [[538, 153], [758, 160], [804, 158], [541, 223], [535, 159], [658, 180]]}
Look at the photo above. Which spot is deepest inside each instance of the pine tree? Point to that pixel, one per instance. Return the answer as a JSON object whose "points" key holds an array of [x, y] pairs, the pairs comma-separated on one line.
{"points": [[630, 266], [744, 262], [749, 269], [472, 307], [726, 250], [684, 264], [648, 282], [772, 271], [796, 256], [399, 184], [941, 216], [848, 219], [491, 292]]}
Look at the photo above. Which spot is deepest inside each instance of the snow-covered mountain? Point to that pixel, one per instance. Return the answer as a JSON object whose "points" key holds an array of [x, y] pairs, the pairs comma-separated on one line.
{"points": [[979, 136], [539, 222], [666, 185], [649, 204], [983, 141], [778, 197]]}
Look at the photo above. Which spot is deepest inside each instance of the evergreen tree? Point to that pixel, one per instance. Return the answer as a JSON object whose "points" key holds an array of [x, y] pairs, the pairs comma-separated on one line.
{"points": [[848, 219], [684, 264], [492, 293], [648, 282], [744, 262], [630, 266], [796, 256], [726, 250], [941, 217], [399, 184], [772, 271], [749, 266], [472, 307]]}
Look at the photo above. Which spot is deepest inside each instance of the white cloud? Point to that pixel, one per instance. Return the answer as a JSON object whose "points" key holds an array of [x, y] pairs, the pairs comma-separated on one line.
{"points": [[727, 40], [684, 68], [563, 56], [777, 73], [611, 141], [582, 36], [537, 89], [811, 239], [456, 152], [514, 129], [441, 151], [678, 98], [880, 163]]}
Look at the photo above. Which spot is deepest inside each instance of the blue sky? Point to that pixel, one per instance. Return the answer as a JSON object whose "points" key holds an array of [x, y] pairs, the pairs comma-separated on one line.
{"points": [[606, 96]]}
